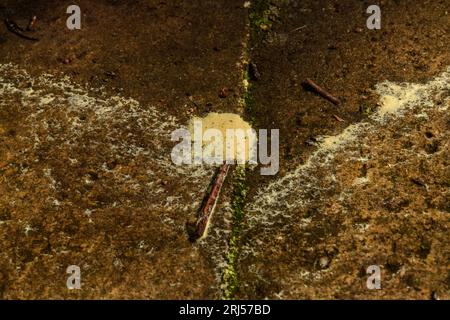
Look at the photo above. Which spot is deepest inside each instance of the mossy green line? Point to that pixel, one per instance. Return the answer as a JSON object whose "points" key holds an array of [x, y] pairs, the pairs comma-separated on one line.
{"points": [[230, 278], [261, 16], [249, 101]]}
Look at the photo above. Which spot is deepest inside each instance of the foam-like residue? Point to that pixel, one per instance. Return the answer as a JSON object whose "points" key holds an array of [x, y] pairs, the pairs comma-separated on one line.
{"points": [[223, 122], [294, 190], [62, 114]]}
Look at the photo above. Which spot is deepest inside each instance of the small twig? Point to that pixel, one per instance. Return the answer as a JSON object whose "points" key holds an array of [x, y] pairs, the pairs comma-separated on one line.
{"points": [[338, 118], [299, 28], [322, 91], [14, 28], [210, 203], [32, 23]]}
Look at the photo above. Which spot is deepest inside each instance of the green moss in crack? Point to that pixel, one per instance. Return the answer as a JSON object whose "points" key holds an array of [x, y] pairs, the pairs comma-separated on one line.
{"points": [[366, 110], [230, 278], [249, 102], [261, 17]]}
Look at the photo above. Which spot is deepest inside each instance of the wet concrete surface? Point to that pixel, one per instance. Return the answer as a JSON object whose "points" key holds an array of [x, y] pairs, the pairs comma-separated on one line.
{"points": [[97, 188], [299, 222], [85, 170]]}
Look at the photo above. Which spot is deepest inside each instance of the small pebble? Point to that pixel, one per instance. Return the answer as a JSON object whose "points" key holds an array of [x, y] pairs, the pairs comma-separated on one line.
{"points": [[324, 262], [224, 93], [253, 71]]}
